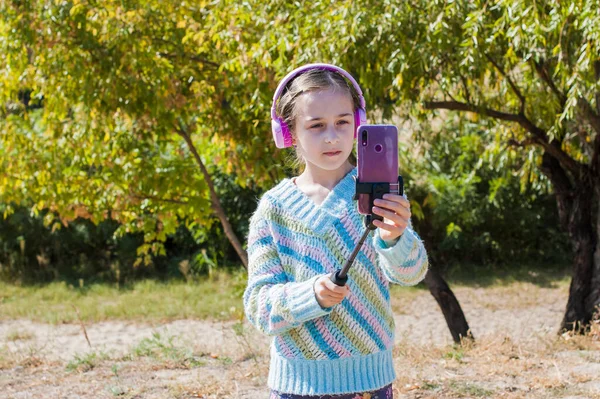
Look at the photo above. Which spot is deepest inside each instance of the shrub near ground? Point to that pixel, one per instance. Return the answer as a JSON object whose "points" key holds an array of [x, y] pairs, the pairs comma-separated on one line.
{"points": [[33, 252], [472, 203]]}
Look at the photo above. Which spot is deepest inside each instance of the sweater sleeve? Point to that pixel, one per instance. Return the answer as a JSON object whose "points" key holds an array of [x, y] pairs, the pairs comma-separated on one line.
{"points": [[404, 262], [272, 303]]}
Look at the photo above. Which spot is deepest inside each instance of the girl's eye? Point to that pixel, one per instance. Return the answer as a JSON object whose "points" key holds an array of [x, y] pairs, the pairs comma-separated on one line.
{"points": [[320, 125]]}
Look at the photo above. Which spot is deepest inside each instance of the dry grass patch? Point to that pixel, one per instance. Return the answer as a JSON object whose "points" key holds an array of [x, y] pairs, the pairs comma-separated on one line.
{"points": [[517, 296], [30, 356], [495, 366], [517, 353], [18, 335], [402, 298]]}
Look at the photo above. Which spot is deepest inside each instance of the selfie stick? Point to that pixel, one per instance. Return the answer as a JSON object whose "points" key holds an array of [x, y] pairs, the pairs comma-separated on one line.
{"points": [[375, 191]]}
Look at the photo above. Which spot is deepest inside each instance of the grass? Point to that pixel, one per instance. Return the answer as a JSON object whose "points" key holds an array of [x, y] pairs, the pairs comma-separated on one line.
{"points": [[218, 298], [159, 348], [485, 369], [543, 366], [455, 353], [543, 276], [163, 348], [18, 335], [494, 367], [86, 362], [466, 389]]}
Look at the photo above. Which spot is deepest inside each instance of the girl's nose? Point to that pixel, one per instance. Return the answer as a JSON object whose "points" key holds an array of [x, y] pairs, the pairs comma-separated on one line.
{"points": [[331, 136]]}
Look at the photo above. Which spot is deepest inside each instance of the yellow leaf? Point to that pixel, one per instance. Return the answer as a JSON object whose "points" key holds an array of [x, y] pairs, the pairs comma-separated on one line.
{"points": [[75, 9], [199, 38], [398, 80]]}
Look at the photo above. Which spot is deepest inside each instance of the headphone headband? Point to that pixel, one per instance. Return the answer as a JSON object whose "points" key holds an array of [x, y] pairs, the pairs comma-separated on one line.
{"points": [[281, 132]]}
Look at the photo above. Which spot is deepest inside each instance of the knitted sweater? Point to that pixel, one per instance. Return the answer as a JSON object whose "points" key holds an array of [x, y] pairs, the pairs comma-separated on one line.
{"points": [[291, 243]]}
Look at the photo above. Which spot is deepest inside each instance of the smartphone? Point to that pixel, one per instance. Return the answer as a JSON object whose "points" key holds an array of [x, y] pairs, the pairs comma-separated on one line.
{"points": [[377, 160]]}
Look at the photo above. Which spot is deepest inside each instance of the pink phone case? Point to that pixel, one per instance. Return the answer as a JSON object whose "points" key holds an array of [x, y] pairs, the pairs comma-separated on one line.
{"points": [[377, 159]]}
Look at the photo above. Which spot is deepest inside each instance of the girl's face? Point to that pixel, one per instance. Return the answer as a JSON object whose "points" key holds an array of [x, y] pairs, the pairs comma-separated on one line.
{"points": [[324, 128]]}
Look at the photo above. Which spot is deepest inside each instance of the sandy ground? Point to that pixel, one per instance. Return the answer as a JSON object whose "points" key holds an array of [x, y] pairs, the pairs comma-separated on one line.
{"points": [[517, 354]]}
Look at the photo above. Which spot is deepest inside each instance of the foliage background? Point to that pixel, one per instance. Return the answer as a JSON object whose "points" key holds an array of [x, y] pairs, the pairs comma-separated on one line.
{"points": [[98, 183]]}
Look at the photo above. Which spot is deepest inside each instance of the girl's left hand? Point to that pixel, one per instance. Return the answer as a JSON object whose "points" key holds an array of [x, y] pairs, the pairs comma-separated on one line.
{"points": [[395, 210]]}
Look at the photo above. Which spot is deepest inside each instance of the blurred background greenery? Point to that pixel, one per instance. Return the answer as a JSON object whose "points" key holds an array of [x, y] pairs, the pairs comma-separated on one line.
{"points": [[133, 133]]}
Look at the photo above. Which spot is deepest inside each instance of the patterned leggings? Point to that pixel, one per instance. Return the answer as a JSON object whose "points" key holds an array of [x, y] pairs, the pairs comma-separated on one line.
{"points": [[382, 393]]}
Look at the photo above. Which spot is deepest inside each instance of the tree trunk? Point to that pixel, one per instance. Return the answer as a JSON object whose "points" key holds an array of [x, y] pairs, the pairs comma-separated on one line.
{"points": [[455, 318], [216, 204], [593, 300], [582, 236], [577, 206]]}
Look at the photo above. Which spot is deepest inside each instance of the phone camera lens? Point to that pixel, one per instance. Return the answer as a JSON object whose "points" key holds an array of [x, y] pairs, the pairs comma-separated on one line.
{"points": [[364, 138]]}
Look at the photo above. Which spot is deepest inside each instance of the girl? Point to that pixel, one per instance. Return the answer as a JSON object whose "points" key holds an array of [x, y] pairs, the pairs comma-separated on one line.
{"points": [[329, 341]]}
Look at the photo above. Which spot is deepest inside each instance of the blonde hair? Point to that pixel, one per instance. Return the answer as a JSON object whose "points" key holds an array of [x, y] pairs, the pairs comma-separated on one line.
{"points": [[312, 80]]}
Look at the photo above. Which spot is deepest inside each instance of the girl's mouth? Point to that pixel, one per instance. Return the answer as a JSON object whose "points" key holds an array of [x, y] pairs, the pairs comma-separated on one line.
{"points": [[332, 153]]}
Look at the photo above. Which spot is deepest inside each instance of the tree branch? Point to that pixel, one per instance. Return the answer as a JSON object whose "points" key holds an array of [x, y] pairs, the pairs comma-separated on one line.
{"points": [[459, 106], [192, 57], [585, 107], [448, 61], [510, 82], [590, 114], [182, 131], [155, 198], [542, 72], [464, 83], [15, 177], [447, 93], [522, 144], [553, 148], [584, 136]]}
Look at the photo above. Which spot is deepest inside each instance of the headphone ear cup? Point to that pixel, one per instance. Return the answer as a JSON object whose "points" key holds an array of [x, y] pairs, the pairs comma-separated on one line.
{"points": [[277, 134], [281, 133], [362, 115], [286, 136], [360, 118]]}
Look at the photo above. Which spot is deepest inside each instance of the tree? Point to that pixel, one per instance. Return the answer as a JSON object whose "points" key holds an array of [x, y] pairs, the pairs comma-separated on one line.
{"points": [[119, 109], [533, 69], [99, 95]]}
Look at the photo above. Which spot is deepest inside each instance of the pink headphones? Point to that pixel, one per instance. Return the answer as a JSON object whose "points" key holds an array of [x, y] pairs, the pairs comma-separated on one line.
{"points": [[281, 132]]}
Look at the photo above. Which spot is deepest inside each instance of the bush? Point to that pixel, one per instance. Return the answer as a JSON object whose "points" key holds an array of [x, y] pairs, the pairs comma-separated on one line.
{"points": [[32, 252], [471, 204]]}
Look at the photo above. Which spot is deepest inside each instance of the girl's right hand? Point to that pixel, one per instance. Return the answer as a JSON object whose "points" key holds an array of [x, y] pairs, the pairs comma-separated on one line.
{"points": [[329, 294]]}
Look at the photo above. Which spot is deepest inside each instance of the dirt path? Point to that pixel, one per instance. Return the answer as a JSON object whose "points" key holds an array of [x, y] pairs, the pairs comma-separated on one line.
{"points": [[517, 354]]}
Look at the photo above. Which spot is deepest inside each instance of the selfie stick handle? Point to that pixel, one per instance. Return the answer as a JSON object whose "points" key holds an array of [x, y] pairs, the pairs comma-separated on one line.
{"points": [[340, 277]]}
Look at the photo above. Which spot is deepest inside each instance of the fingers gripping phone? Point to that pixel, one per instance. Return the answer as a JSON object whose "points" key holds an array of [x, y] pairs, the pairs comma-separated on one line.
{"points": [[377, 162]]}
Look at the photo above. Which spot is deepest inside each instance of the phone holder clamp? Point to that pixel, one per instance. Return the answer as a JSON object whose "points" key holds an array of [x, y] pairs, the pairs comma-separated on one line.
{"points": [[375, 191]]}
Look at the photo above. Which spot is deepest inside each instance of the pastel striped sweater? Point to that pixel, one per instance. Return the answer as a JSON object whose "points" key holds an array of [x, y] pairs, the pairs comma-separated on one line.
{"points": [[291, 243]]}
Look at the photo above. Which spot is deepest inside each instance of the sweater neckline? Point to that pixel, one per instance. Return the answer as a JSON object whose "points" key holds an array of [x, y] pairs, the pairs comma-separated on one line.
{"points": [[317, 217]]}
